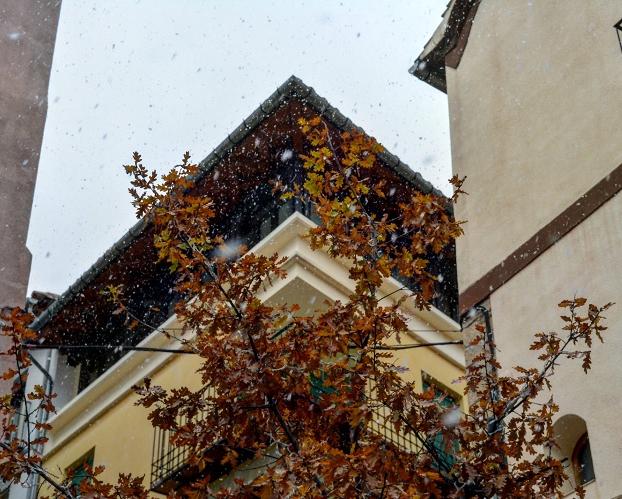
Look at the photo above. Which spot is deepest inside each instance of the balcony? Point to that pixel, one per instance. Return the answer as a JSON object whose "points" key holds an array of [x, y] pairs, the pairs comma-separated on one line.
{"points": [[170, 468], [168, 464], [381, 425]]}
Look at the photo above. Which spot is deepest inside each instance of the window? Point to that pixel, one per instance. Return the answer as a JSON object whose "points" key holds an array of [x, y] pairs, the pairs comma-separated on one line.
{"points": [[582, 461], [446, 397], [318, 386], [450, 401], [573, 450], [80, 470]]}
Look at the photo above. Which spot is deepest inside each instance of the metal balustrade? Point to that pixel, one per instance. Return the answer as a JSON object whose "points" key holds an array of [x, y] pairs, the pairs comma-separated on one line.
{"points": [[168, 460], [169, 467], [381, 424]]}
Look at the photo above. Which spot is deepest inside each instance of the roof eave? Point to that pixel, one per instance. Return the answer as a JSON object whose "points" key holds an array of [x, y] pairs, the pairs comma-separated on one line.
{"points": [[447, 44], [432, 75]]}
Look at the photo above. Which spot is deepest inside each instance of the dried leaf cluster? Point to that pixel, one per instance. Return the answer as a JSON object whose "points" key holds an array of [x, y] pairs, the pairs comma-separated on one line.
{"points": [[297, 393]]}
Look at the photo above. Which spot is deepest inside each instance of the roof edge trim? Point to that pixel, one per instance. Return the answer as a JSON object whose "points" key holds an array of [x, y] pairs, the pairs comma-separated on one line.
{"points": [[446, 49]]}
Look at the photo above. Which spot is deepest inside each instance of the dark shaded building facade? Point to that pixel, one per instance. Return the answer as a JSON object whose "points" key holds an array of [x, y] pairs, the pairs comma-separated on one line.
{"points": [[27, 37]]}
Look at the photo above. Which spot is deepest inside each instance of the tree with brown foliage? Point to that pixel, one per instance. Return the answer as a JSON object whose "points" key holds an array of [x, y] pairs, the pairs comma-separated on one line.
{"points": [[297, 393]]}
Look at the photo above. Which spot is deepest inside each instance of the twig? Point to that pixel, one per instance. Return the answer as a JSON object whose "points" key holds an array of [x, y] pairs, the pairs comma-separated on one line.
{"points": [[34, 468], [520, 399], [23, 392]]}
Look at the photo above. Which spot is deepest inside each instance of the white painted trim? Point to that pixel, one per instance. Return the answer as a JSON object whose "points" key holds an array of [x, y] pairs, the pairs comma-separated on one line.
{"points": [[328, 275], [110, 387]]}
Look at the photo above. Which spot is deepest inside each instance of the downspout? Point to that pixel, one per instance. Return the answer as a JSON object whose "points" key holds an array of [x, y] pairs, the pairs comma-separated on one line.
{"points": [[489, 344]]}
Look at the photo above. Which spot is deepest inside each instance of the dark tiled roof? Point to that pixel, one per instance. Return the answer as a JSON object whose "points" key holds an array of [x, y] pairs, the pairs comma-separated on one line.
{"points": [[293, 88]]}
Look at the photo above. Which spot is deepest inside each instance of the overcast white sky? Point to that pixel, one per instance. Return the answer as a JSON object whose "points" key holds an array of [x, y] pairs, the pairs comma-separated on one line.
{"points": [[164, 76]]}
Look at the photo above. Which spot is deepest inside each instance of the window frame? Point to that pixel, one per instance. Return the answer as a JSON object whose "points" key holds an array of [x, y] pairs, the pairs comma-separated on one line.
{"points": [[87, 458], [582, 443], [429, 382]]}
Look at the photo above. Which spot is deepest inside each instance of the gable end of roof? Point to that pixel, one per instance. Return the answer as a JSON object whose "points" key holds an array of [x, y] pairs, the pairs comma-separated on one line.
{"points": [[292, 88]]}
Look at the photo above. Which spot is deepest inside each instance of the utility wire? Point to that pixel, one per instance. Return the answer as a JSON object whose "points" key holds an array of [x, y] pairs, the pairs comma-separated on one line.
{"points": [[123, 348], [129, 348], [418, 345]]}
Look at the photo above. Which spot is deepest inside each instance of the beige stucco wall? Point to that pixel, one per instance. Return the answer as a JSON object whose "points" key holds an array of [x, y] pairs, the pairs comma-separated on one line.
{"points": [[584, 263], [27, 37], [535, 116]]}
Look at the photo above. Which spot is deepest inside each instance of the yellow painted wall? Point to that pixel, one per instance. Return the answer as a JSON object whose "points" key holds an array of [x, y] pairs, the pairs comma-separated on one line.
{"points": [[123, 437], [425, 360]]}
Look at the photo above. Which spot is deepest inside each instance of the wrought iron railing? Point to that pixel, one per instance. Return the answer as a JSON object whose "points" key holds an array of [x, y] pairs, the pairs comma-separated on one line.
{"points": [[170, 466], [168, 459], [170, 463], [382, 425]]}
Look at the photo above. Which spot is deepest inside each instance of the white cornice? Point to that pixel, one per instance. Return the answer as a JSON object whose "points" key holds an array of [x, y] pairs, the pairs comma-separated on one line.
{"points": [[327, 275], [110, 387]]}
